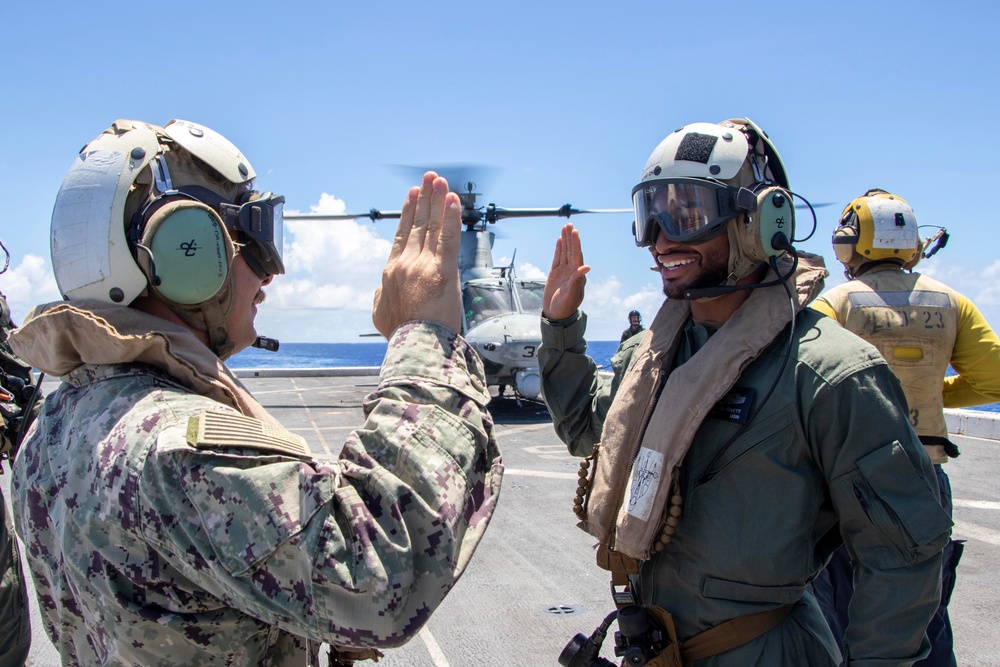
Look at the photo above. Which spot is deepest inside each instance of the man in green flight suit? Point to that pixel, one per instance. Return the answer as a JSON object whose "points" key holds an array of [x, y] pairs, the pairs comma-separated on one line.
{"points": [[169, 518], [743, 437]]}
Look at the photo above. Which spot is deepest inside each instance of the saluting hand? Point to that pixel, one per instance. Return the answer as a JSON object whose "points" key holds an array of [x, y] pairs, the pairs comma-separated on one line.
{"points": [[567, 278], [420, 280]]}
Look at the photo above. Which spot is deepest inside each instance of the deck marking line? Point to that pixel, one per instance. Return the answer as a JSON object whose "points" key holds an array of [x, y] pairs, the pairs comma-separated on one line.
{"points": [[312, 422], [506, 429], [437, 655], [539, 473], [972, 531], [977, 504]]}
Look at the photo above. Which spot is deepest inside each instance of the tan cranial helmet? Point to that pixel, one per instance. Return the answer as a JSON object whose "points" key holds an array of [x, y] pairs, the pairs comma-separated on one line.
{"points": [[877, 227], [155, 210], [706, 178]]}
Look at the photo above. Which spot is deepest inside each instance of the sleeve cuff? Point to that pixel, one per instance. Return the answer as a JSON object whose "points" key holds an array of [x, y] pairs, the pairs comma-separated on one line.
{"points": [[422, 351], [567, 334]]}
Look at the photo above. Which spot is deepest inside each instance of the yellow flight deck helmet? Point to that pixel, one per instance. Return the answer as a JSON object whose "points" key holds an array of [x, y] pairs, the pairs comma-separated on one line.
{"points": [[875, 227]]}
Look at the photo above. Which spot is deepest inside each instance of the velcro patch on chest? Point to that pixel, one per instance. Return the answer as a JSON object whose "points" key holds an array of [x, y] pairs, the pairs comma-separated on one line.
{"points": [[221, 430], [734, 406]]}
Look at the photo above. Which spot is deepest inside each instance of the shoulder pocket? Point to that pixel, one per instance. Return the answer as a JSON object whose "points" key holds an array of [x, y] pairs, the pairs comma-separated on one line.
{"points": [[248, 508], [895, 495], [250, 499]]}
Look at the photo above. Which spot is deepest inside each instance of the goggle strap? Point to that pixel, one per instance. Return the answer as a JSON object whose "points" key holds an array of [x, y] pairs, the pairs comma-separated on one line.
{"points": [[161, 174], [229, 212], [746, 200]]}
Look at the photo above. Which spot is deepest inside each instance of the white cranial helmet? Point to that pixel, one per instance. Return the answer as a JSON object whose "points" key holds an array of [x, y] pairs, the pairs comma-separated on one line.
{"points": [[707, 178], [155, 210]]}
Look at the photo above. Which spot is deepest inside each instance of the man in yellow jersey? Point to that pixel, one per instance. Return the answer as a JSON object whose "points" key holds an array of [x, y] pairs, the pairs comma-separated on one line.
{"points": [[920, 326]]}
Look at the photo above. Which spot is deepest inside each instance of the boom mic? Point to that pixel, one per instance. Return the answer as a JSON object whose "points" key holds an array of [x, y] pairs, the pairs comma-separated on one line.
{"points": [[265, 343], [779, 242], [719, 290]]}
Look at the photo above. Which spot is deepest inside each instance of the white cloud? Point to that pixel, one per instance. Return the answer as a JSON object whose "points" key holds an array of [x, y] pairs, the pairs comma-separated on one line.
{"points": [[980, 284], [607, 307], [528, 271], [332, 266], [28, 284], [986, 294]]}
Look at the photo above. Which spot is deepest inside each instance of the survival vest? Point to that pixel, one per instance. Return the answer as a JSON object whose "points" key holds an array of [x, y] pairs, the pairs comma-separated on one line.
{"points": [[913, 321]]}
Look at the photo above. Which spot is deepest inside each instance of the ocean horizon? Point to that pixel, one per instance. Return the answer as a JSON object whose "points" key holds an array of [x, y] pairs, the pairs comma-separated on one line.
{"points": [[339, 355]]}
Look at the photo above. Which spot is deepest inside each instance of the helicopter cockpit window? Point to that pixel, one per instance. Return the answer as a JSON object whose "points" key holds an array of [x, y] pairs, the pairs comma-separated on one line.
{"points": [[529, 292], [485, 300]]}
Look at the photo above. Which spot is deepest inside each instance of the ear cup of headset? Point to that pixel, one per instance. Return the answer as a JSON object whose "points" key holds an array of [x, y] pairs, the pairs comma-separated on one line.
{"points": [[191, 252], [774, 213], [845, 242]]}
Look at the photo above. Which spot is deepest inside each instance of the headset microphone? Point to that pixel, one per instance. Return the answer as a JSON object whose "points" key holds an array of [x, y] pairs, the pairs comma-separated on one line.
{"points": [[709, 292], [779, 242], [265, 343]]}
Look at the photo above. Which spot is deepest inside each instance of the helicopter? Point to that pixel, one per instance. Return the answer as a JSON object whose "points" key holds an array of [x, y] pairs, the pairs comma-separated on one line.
{"points": [[501, 312]]}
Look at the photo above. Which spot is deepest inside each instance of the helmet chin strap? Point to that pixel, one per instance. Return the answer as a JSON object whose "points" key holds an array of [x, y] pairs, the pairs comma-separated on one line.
{"points": [[210, 316], [741, 263], [741, 266]]}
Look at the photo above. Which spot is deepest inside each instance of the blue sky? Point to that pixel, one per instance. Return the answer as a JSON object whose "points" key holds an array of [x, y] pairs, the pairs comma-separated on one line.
{"points": [[564, 101]]}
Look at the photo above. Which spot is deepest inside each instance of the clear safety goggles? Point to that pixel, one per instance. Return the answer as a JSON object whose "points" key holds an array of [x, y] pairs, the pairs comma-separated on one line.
{"points": [[260, 222], [686, 210]]}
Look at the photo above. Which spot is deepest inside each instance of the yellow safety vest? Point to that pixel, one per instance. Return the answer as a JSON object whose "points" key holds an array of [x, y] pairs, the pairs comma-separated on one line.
{"points": [[913, 321]]}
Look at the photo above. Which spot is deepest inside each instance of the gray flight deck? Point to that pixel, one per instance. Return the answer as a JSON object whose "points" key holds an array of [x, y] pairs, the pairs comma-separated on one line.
{"points": [[533, 584]]}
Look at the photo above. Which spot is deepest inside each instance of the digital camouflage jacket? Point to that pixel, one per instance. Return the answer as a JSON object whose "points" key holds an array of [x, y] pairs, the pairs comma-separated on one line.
{"points": [[150, 547]]}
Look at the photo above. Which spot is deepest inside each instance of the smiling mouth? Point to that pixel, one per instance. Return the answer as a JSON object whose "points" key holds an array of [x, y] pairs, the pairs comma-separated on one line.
{"points": [[259, 299], [675, 263]]}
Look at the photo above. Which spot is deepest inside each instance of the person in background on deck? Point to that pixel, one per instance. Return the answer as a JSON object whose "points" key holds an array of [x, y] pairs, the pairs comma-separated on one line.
{"points": [[168, 518], [18, 407], [634, 326], [744, 436], [920, 326]]}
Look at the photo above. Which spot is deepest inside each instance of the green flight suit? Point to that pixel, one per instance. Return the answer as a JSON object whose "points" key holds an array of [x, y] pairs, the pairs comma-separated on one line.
{"points": [[830, 457]]}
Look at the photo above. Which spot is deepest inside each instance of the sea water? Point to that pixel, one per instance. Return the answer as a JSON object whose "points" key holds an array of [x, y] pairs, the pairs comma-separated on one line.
{"points": [[326, 355]]}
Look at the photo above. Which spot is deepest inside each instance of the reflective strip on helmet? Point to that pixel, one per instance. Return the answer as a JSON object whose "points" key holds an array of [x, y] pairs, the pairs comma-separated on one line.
{"points": [[895, 225]]}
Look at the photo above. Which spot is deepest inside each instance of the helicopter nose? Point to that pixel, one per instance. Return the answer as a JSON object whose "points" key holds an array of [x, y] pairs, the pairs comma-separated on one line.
{"points": [[528, 383]]}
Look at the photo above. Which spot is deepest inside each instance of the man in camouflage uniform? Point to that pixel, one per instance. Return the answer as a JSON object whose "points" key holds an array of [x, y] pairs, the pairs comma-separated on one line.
{"points": [[169, 519], [17, 389]]}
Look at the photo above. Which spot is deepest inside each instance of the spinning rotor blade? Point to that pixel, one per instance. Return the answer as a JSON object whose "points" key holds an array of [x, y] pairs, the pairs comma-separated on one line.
{"points": [[458, 175], [373, 215], [494, 213], [819, 205]]}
